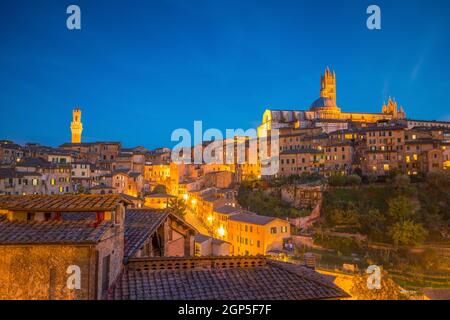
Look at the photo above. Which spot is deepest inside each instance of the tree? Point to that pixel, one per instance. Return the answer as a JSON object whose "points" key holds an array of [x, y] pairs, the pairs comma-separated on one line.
{"points": [[340, 217], [353, 180], [402, 184], [336, 180], [401, 209], [80, 189], [436, 193], [373, 224], [407, 233], [372, 178], [159, 189], [177, 207], [389, 289]]}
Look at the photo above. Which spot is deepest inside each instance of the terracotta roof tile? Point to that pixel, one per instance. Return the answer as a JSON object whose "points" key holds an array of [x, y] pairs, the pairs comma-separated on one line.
{"points": [[18, 232], [272, 281], [252, 218], [65, 203], [140, 224]]}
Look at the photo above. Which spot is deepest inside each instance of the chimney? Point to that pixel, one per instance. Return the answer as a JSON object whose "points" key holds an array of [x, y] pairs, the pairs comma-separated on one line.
{"points": [[310, 260]]}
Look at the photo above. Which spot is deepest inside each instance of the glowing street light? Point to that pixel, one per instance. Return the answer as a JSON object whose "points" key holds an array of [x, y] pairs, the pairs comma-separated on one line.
{"points": [[221, 231]]}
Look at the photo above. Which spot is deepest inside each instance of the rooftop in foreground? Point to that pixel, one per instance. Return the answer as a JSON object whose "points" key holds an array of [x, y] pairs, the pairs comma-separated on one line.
{"points": [[139, 225], [221, 278], [51, 232], [61, 203]]}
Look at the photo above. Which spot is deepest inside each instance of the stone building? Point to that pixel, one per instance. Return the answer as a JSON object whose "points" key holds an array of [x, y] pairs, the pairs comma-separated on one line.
{"points": [[102, 154], [339, 158], [131, 161], [252, 234], [211, 247], [305, 196], [13, 182], [128, 182], [36, 176], [325, 113], [296, 162], [158, 200], [157, 173], [44, 240], [10, 152], [384, 150]]}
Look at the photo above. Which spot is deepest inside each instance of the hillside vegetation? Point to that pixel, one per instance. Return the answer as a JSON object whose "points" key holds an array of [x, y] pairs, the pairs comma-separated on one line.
{"points": [[398, 212]]}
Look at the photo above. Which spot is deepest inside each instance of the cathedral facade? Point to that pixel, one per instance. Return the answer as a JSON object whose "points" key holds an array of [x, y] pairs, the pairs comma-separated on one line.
{"points": [[325, 113]]}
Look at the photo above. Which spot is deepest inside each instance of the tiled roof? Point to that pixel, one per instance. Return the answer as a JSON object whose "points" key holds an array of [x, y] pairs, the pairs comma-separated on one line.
{"points": [[252, 281], [17, 232], [10, 146], [12, 173], [40, 163], [63, 203], [423, 141], [367, 129], [140, 224], [430, 121], [300, 151], [121, 171], [160, 195], [437, 294], [339, 144], [227, 209], [134, 174], [252, 218], [128, 197], [101, 187], [88, 144], [200, 238]]}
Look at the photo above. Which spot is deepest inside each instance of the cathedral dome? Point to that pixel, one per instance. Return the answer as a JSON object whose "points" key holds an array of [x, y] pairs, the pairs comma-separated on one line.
{"points": [[323, 103]]}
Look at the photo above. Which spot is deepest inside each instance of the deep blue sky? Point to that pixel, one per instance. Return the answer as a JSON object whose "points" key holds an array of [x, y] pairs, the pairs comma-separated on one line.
{"points": [[140, 69]]}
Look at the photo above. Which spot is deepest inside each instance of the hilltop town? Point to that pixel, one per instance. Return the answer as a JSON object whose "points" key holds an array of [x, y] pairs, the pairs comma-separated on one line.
{"points": [[121, 214]]}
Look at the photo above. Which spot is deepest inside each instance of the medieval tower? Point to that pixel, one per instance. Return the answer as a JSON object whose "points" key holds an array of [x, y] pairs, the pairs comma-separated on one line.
{"points": [[76, 126], [328, 85]]}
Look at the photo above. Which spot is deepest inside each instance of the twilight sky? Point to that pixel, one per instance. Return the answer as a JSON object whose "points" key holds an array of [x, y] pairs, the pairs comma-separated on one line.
{"points": [[140, 69]]}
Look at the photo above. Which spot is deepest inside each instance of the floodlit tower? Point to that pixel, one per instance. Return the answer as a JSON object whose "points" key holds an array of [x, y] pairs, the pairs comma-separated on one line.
{"points": [[328, 85], [76, 126]]}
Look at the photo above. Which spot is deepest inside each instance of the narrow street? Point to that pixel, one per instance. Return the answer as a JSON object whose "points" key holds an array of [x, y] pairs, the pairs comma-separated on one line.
{"points": [[193, 220]]}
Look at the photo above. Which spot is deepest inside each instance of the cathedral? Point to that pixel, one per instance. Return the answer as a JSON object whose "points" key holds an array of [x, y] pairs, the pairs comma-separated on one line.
{"points": [[325, 113]]}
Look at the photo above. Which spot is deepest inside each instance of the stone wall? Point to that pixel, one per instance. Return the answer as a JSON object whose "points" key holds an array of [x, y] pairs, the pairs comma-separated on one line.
{"points": [[112, 245], [302, 197], [39, 272], [175, 247]]}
